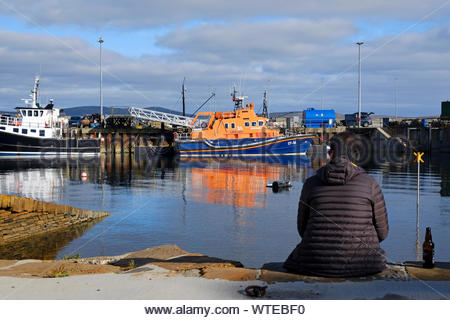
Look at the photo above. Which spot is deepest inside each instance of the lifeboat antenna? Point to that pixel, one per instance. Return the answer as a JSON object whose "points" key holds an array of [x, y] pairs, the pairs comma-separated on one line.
{"points": [[265, 111], [238, 99]]}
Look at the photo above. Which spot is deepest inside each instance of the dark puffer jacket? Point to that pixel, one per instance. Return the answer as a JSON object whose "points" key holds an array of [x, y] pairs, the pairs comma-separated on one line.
{"points": [[342, 219]]}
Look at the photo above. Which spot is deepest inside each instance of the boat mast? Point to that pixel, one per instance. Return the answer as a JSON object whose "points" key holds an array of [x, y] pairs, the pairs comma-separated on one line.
{"points": [[265, 111], [34, 92]]}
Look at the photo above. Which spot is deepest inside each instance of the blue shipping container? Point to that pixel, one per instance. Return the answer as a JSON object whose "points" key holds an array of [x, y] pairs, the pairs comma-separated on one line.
{"points": [[313, 118]]}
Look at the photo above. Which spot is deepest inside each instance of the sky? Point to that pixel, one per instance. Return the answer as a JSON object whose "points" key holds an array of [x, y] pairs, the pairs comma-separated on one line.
{"points": [[302, 52]]}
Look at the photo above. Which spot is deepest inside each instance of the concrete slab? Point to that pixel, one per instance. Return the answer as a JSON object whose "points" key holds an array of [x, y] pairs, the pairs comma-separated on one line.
{"points": [[441, 271]]}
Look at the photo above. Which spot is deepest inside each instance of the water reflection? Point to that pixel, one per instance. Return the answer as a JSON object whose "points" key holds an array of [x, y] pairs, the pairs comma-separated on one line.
{"points": [[445, 177], [237, 183], [217, 207]]}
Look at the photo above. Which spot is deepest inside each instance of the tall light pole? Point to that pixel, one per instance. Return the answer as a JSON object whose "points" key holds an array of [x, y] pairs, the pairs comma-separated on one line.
{"points": [[100, 40], [359, 82], [395, 97], [183, 91]]}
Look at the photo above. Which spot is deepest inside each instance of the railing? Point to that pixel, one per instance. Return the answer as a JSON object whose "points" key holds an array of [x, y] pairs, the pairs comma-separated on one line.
{"points": [[169, 118], [10, 121], [16, 122], [183, 136]]}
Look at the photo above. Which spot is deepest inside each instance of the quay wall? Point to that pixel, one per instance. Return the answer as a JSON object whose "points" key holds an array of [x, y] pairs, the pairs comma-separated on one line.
{"points": [[21, 218], [430, 139], [427, 139]]}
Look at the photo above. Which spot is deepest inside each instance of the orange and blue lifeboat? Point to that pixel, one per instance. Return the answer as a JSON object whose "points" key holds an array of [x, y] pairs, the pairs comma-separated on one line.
{"points": [[241, 133]]}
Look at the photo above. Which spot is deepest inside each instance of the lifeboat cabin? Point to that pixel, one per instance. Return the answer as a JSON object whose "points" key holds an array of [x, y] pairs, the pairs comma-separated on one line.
{"points": [[239, 124]]}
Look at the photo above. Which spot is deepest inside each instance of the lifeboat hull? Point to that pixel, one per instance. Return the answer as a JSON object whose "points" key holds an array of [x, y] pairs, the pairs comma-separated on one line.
{"points": [[280, 146]]}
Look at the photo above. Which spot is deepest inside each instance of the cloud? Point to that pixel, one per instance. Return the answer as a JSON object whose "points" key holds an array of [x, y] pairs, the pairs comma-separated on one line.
{"points": [[141, 14], [291, 56], [256, 41]]}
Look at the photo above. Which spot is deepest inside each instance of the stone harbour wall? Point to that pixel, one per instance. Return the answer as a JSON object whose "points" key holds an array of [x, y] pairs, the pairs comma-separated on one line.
{"points": [[22, 217]]}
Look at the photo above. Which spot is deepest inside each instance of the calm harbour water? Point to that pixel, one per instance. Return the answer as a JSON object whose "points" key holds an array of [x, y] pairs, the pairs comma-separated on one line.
{"points": [[219, 208]]}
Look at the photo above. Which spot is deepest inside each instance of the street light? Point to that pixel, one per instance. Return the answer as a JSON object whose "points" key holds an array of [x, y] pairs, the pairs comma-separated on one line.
{"points": [[100, 40], [359, 82], [395, 97]]}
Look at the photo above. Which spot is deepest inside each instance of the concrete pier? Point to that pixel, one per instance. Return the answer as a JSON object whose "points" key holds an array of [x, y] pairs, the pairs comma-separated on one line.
{"points": [[168, 272]]}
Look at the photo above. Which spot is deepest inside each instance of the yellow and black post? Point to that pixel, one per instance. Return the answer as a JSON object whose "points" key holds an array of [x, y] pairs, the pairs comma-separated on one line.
{"points": [[418, 160]]}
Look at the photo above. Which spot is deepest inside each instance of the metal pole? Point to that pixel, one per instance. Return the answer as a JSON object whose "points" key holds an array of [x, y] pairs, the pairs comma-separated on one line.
{"points": [[395, 97], [101, 81], [419, 160], [321, 94], [359, 83], [182, 92], [418, 190]]}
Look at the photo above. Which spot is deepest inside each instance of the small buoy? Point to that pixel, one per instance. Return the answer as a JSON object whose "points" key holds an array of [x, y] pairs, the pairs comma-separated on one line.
{"points": [[83, 176], [277, 185]]}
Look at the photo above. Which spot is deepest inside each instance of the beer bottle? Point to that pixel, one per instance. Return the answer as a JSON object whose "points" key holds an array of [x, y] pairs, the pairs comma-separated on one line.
{"points": [[428, 250]]}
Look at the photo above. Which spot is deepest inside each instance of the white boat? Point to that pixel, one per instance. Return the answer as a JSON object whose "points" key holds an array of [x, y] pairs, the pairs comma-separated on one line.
{"points": [[37, 131]]}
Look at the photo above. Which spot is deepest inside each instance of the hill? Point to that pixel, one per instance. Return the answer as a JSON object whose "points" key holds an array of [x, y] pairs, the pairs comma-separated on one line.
{"points": [[7, 112]]}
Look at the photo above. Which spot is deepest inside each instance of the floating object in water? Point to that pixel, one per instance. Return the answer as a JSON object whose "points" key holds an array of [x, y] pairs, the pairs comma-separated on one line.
{"points": [[256, 291], [277, 185], [84, 176]]}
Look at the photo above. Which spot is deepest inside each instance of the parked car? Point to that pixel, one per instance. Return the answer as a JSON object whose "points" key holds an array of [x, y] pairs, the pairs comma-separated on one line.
{"points": [[75, 121], [351, 119]]}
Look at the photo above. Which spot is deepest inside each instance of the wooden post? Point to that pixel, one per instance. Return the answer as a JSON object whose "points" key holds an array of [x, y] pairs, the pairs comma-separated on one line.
{"points": [[117, 143], [108, 143], [132, 143], [102, 143], [125, 143]]}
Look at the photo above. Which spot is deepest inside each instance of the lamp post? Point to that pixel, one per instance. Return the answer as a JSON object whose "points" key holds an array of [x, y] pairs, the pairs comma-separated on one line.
{"points": [[359, 82], [183, 91], [395, 98], [100, 40]]}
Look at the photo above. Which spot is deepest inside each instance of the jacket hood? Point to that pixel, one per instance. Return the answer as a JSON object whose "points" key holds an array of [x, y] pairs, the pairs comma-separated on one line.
{"points": [[339, 171]]}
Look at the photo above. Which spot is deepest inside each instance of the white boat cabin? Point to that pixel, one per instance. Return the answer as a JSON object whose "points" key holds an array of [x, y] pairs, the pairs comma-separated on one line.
{"points": [[33, 120]]}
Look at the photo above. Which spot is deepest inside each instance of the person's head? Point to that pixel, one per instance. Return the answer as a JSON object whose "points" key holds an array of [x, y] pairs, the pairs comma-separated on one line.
{"points": [[341, 145]]}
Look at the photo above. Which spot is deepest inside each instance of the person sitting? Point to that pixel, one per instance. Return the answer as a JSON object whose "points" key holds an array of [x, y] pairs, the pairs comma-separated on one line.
{"points": [[342, 219]]}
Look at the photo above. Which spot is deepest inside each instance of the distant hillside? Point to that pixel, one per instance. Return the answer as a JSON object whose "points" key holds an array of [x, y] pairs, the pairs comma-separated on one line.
{"points": [[119, 110]]}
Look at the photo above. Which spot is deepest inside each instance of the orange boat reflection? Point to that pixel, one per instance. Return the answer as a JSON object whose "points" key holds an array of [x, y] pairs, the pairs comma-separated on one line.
{"points": [[234, 183]]}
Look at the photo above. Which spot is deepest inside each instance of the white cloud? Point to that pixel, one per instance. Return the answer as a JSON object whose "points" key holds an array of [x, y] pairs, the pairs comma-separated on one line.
{"points": [[294, 54], [138, 14]]}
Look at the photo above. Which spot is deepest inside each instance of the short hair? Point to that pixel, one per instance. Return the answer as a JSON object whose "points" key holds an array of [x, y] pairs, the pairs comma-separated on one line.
{"points": [[342, 144]]}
